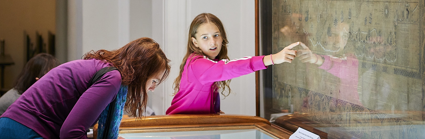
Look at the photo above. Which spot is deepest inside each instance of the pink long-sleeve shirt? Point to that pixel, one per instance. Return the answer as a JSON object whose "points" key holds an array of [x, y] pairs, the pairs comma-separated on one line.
{"points": [[200, 73]]}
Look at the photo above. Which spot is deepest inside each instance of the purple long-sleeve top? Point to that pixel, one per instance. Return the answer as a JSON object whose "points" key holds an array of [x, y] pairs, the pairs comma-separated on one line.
{"points": [[195, 95], [61, 104]]}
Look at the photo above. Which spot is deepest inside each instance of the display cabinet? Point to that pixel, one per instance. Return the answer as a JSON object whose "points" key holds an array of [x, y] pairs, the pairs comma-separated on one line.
{"points": [[200, 126], [362, 75]]}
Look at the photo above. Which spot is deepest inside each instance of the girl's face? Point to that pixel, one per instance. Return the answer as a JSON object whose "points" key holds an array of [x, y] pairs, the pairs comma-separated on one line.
{"points": [[153, 81], [208, 39]]}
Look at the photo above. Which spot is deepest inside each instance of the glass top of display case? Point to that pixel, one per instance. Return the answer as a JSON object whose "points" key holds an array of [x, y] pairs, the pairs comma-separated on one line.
{"points": [[209, 134], [180, 126]]}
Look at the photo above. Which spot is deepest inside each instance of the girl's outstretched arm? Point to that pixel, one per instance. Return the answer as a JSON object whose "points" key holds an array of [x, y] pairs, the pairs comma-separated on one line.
{"points": [[208, 71], [285, 55]]}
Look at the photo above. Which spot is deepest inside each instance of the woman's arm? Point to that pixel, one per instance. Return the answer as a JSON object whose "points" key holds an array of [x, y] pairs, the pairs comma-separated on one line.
{"points": [[90, 105]]}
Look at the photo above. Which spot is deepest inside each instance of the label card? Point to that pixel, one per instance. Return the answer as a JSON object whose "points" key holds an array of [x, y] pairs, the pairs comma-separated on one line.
{"points": [[303, 134]]}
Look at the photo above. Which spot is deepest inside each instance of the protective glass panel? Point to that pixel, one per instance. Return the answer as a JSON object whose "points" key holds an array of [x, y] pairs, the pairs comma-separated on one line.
{"points": [[361, 74]]}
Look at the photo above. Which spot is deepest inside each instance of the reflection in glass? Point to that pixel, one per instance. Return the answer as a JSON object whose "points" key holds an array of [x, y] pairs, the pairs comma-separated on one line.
{"points": [[361, 72]]}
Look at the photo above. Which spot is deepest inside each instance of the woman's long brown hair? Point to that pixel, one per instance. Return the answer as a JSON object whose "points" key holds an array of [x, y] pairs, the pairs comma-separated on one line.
{"points": [[137, 61], [197, 21]]}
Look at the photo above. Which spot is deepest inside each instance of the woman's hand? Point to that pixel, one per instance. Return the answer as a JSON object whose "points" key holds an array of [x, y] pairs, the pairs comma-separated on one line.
{"points": [[285, 55]]}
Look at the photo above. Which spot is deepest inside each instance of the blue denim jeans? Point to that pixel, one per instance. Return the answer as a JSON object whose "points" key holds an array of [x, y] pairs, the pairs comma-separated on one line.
{"points": [[10, 129]]}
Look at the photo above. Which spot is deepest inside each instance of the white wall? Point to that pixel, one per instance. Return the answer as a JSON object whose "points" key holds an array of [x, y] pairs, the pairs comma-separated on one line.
{"points": [[140, 19], [157, 99], [102, 27], [75, 28], [94, 25], [109, 24]]}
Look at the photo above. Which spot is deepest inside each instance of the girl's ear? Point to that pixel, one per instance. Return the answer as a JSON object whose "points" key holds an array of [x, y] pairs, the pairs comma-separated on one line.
{"points": [[195, 42]]}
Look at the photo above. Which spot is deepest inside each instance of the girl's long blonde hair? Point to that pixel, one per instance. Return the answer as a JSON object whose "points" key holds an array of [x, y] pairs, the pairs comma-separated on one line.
{"points": [[201, 19]]}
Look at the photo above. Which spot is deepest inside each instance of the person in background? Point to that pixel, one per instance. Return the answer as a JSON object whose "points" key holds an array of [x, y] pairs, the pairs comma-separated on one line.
{"points": [[35, 68]]}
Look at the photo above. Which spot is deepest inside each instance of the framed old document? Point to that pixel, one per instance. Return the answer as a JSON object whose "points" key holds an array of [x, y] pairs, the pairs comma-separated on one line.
{"points": [[361, 74]]}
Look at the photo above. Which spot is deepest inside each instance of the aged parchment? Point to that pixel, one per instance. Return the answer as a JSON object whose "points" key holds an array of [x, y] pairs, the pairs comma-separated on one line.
{"points": [[376, 77]]}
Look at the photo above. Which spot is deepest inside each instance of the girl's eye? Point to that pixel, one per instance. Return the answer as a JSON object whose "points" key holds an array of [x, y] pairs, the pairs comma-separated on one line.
{"points": [[204, 37], [216, 35]]}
